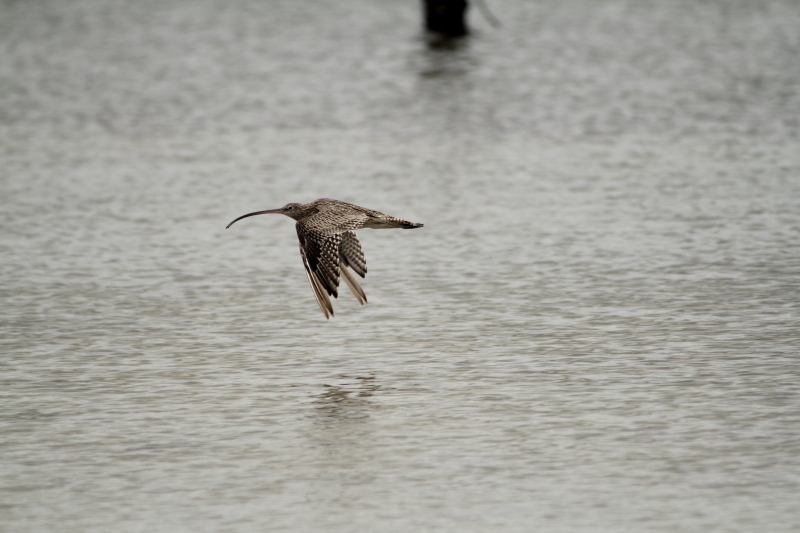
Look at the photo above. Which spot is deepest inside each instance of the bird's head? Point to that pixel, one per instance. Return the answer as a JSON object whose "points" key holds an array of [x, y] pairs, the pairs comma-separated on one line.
{"points": [[292, 210]]}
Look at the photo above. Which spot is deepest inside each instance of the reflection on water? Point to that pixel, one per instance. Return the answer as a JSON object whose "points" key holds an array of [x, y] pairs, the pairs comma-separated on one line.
{"points": [[349, 401], [596, 330]]}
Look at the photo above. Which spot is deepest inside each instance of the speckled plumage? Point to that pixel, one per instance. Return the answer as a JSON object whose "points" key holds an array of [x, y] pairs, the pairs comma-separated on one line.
{"points": [[328, 246]]}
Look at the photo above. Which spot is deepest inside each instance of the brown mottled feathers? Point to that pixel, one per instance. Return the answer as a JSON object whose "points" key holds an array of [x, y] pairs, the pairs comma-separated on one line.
{"points": [[350, 253], [329, 247], [351, 259]]}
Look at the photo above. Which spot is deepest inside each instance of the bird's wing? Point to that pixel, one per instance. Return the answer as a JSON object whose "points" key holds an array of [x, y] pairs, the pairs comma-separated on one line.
{"points": [[319, 292], [321, 237], [351, 259], [350, 252], [321, 253]]}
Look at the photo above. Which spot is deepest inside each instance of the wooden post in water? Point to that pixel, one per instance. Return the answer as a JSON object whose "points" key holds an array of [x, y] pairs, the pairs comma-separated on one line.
{"points": [[447, 17]]}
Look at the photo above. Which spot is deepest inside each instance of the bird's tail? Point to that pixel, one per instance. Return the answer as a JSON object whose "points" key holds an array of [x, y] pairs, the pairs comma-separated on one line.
{"points": [[410, 225], [391, 222]]}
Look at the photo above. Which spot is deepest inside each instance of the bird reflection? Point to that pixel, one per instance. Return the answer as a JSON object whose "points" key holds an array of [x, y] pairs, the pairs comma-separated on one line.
{"points": [[349, 401], [340, 443]]}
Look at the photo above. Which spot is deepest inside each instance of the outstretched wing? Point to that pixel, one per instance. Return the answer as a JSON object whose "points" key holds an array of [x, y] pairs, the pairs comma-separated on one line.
{"points": [[351, 253], [321, 260], [351, 259], [329, 248], [319, 291]]}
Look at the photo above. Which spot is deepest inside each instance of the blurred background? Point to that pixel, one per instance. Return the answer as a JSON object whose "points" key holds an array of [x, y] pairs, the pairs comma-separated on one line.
{"points": [[596, 330]]}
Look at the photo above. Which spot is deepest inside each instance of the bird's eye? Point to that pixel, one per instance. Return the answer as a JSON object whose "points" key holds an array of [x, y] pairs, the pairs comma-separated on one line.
{"points": [[289, 208]]}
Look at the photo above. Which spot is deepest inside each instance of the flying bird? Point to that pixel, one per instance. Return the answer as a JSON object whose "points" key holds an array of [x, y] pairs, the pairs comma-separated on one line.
{"points": [[328, 245]]}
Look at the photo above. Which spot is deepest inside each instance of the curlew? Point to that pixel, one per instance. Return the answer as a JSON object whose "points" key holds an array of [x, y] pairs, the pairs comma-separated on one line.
{"points": [[328, 245]]}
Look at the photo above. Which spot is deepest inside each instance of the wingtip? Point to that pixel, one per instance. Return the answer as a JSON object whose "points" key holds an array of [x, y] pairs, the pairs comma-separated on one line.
{"points": [[352, 282]]}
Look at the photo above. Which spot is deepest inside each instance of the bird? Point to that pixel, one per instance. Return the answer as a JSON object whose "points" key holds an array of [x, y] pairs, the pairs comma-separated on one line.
{"points": [[328, 245]]}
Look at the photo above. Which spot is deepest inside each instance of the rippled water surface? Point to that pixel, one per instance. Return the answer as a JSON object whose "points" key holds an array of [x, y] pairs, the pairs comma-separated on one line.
{"points": [[597, 330]]}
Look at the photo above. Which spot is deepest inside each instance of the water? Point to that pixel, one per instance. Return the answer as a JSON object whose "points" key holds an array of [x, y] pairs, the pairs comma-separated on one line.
{"points": [[597, 329]]}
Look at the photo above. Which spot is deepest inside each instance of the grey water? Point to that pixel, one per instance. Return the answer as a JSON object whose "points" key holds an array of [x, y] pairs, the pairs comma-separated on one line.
{"points": [[597, 330]]}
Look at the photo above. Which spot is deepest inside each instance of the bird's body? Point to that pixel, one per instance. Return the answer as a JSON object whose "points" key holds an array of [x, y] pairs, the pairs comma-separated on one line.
{"points": [[328, 245]]}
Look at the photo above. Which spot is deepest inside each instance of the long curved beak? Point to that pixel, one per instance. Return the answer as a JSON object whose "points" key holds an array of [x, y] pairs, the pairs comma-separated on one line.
{"points": [[254, 214]]}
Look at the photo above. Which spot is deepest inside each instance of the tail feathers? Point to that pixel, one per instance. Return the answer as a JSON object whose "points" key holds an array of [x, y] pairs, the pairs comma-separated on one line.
{"points": [[390, 222], [410, 225]]}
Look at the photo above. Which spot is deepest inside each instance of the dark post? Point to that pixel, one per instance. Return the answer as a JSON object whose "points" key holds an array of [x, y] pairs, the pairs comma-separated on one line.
{"points": [[446, 17]]}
